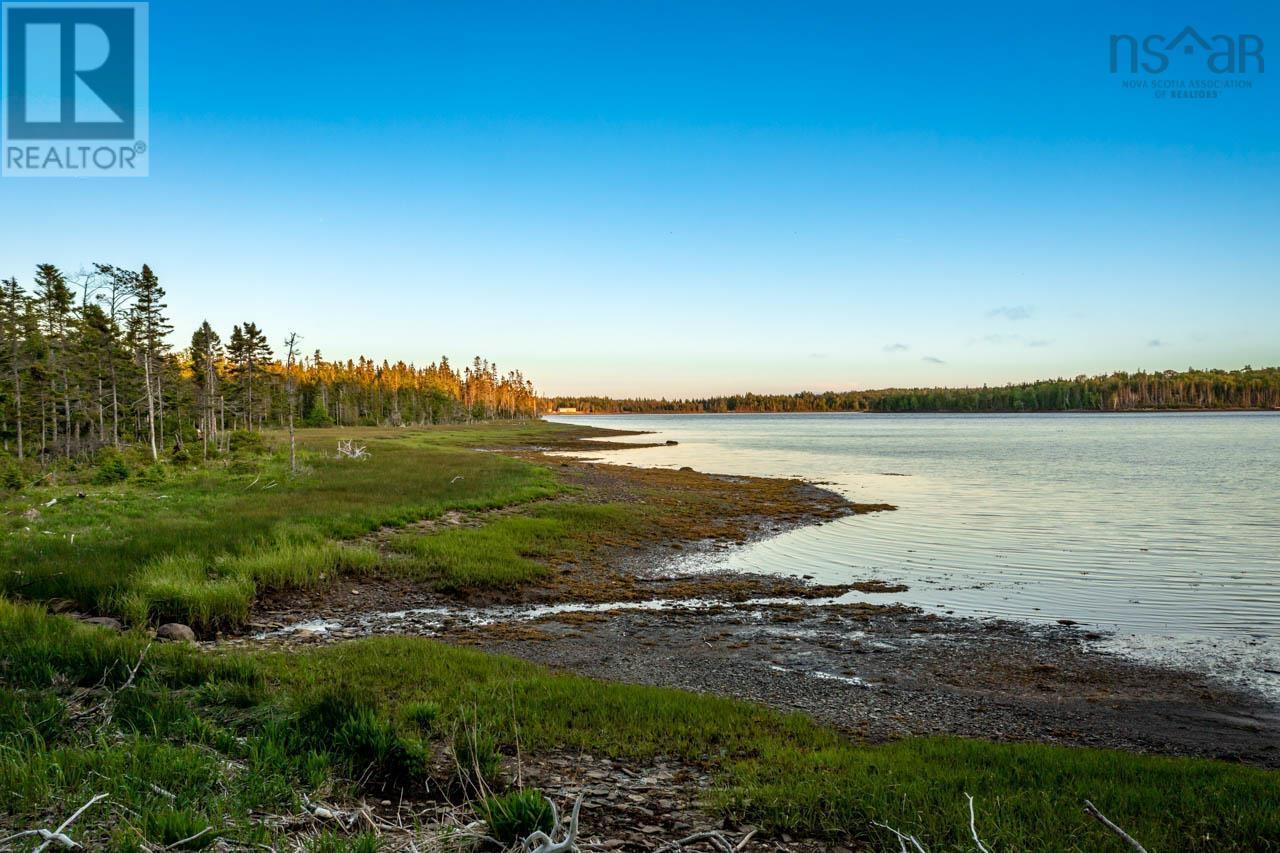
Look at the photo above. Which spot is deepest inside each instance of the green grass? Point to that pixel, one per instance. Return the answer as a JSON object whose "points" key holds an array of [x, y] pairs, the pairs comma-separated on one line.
{"points": [[210, 595], [789, 774], [180, 588], [196, 740], [198, 544], [229, 735], [213, 739], [502, 552], [514, 815]]}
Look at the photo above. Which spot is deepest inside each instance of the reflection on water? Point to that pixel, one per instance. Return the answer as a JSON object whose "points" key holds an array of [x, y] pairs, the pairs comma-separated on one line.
{"points": [[1164, 528]]}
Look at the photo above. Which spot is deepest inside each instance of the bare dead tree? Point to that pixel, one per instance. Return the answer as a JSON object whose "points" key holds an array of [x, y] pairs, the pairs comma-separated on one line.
{"points": [[291, 390]]}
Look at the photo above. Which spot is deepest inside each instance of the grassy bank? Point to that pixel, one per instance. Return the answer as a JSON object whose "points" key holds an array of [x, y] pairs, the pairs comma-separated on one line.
{"points": [[196, 544], [199, 740], [230, 741]]}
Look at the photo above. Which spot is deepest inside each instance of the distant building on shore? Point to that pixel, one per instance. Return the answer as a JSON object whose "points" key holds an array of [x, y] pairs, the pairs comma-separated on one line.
{"points": [[567, 410]]}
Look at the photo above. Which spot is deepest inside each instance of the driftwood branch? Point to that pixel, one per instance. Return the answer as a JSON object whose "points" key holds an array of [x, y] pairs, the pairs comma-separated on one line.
{"points": [[350, 450], [56, 836], [903, 839], [973, 826], [540, 842], [712, 837], [1092, 811]]}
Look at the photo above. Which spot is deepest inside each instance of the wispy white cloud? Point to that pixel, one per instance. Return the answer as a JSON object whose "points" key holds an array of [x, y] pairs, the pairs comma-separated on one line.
{"points": [[1002, 339], [896, 347], [1011, 312], [933, 359], [1156, 342]]}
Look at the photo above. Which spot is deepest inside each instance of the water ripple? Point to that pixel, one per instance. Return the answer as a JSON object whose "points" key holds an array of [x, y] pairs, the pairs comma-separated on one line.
{"points": [[1162, 528]]}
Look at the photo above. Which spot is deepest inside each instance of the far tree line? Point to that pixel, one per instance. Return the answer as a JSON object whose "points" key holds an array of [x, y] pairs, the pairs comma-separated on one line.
{"points": [[86, 362], [1248, 388]]}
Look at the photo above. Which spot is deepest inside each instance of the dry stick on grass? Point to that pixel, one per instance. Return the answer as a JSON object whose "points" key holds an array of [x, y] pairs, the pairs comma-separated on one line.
{"points": [[973, 826], [902, 839], [109, 704], [1092, 811], [515, 725], [162, 792], [175, 845], [713, 837], [57, 835]]}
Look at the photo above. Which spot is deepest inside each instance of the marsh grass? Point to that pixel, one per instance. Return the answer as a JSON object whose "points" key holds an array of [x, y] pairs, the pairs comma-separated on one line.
{"points": [[516, 814], [180, 588], [512, 550], [216, 594], [197, 544]]}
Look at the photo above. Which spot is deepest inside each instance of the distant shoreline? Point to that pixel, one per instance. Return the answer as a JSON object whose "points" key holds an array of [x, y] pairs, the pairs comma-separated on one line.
{"points": [[1247, 389], [1267, 410]]}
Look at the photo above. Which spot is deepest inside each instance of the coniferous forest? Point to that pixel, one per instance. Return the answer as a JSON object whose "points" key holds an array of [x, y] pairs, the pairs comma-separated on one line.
{"points": [[87, 362], [1191, 389]]}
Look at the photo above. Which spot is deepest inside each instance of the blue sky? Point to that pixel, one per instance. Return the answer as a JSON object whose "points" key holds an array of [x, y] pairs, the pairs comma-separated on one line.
{"points": [[689, 198]]}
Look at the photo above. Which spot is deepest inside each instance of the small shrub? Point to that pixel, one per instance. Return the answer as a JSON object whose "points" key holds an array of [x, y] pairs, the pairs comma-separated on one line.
{"points": [[153, 474], [244, 466], [11, 478], [318, 416], [112, 467], [180, 453], [513, 816], [245, 442]]}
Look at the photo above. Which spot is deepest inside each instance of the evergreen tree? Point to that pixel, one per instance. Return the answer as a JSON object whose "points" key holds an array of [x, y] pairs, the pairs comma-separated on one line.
{"points": [[249, 353], [54, 300], [14, 330], [149, 328], [206, 353]]}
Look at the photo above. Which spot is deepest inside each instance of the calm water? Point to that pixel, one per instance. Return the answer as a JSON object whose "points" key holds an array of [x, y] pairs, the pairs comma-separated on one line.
{"points": [[1163, 528]]}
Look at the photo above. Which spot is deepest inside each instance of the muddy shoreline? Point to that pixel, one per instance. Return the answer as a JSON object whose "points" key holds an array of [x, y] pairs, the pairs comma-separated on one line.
{"points": [[844, 655]]}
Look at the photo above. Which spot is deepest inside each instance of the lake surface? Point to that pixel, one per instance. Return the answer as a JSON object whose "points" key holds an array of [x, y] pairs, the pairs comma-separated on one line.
{"points": [[1161, 528]]}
